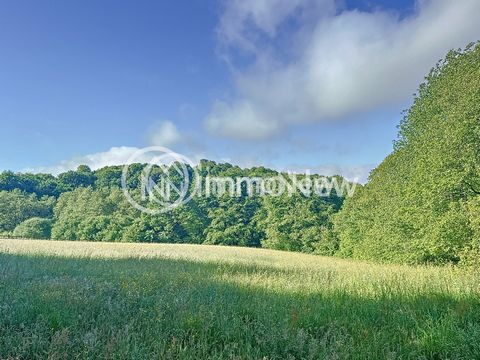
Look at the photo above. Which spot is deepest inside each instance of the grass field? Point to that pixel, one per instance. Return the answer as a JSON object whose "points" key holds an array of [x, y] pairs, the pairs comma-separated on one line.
{"points": [[112, 300]]}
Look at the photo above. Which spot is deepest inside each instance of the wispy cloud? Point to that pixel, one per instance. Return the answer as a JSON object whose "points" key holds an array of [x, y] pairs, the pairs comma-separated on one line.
{"points": [[164, 133], [313, 62]]}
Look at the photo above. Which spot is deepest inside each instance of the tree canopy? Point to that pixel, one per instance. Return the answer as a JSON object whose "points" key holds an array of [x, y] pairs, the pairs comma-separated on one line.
{"points": [[90, 205], [421, 203]]}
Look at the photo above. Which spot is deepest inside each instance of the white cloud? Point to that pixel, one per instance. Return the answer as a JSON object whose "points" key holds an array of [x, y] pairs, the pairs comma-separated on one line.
{"points": [[242, 121], [122, 155], [334, 64], [164, 133], [115, 156], [240, 16]]}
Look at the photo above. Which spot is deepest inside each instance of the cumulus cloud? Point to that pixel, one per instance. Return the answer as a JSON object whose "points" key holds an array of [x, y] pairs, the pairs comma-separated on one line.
{"points": [[164, 133], [122, 155], [114, 156], [314, 62]]}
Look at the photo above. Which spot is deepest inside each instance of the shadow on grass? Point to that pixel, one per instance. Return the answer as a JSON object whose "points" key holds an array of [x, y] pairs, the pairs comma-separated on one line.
{"points": [[142, 308]]}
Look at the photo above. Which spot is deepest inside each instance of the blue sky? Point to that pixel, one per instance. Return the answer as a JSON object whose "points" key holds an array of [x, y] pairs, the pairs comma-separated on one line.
{"points": [[289, 84]]}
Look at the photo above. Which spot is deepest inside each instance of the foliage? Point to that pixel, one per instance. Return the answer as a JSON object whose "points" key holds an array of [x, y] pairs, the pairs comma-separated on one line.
{"points": [[88, 214], [294, 223], [417, 204], [40, 184], [34, 228], [83, 177], [16, 207], [90, 206], [232, 222]]}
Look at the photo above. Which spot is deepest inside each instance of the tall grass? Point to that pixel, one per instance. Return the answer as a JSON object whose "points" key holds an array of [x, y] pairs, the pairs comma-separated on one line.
{"points": [[110, 300]]}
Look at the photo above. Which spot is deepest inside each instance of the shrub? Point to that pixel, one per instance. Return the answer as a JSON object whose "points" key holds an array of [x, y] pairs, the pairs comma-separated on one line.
{"points": [[34, 228]]}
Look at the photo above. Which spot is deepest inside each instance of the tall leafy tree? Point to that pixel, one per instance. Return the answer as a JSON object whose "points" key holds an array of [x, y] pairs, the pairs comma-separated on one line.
{"points": [[82, 177], [417, 205]]}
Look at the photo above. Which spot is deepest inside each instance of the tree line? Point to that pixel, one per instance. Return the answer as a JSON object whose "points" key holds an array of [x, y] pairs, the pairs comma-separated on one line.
{"points": [[90, 205], [420, 205]]}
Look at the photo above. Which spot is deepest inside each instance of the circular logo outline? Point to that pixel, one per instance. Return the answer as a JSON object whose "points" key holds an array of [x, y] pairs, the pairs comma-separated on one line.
{"points": [[165, 152]]}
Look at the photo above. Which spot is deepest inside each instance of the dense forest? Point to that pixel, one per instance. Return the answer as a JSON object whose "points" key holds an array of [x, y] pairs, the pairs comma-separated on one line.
{"points": [[90, 205], [420, 205]]}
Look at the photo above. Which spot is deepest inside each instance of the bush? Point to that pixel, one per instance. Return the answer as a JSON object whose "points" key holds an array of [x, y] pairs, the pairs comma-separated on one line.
{"points": [[16, 207], [34, 228]]}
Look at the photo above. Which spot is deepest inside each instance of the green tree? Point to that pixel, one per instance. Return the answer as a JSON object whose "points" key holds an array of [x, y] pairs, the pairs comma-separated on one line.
{"points": [[88, 214], [40, 184], [296, 223], [92, 206], [413, 209], [34, 228], [16, 207], [82, 177], [109, 177], [233, 222]]}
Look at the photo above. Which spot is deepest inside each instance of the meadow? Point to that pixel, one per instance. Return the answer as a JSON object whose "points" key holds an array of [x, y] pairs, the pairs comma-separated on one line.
{"points": [[88, 300]]}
